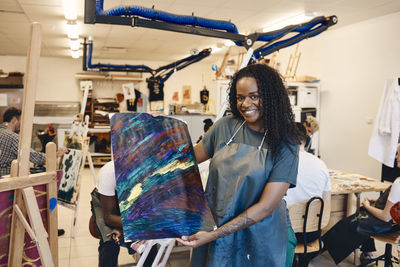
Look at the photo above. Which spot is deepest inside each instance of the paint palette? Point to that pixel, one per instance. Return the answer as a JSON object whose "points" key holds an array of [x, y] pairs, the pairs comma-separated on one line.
{"points": [[159, 189]]}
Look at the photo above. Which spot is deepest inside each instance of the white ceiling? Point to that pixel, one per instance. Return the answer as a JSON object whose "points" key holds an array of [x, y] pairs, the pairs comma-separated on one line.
{"points": [[124, 42]]}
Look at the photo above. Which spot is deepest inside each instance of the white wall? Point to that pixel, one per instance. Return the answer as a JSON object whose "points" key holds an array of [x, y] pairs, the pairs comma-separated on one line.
{"points": [[57, 78], [352, 63]]}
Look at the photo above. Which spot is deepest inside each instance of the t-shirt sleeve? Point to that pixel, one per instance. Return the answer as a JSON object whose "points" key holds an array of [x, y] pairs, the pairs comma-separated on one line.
{"points": [[394, 195], [325, 173], [210, 137], [286, 165], [106, 184]]}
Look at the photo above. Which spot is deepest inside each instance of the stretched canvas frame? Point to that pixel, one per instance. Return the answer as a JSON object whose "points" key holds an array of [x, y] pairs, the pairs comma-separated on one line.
{"points": [[159, 188], [69, 185]]}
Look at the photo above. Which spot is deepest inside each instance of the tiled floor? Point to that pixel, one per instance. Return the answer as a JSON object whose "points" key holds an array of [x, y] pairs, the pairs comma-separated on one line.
{"points": [[82, 250]]}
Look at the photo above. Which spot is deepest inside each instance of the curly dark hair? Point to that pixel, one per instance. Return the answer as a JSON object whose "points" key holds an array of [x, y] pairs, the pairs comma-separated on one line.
{"points": [[11, 113], [277, 115]]}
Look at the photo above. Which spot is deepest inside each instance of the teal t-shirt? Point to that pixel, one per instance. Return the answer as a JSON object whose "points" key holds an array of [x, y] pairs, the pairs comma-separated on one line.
{"points": [[285, 163]]}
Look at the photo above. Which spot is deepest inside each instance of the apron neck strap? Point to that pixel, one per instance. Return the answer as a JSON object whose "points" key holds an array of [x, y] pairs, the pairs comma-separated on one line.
{"points": [[262, 141], [233, 136]]}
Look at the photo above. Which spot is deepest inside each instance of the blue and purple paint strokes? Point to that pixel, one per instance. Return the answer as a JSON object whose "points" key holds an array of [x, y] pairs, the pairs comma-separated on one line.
{"points": [[158, 183]]}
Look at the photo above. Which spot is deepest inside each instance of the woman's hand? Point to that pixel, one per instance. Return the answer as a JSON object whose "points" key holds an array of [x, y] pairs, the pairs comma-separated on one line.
{"points": [[196, 240], [366, 203]]}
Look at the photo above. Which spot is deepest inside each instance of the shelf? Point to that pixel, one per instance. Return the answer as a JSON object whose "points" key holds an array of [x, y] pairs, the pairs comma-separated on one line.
{"points": [[102, 129], [110, 77], [98, 154]]}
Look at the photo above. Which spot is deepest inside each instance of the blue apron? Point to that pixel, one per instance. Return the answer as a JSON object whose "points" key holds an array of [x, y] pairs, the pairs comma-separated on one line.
{"points": [[237, 177]]}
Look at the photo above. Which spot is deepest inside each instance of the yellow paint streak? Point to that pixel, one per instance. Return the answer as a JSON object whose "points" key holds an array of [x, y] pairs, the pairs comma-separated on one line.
{"points": [[136, 191], [174, 165]]}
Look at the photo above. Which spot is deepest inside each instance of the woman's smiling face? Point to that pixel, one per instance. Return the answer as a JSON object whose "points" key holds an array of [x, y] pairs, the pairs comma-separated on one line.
{"points": [[249, 102]]}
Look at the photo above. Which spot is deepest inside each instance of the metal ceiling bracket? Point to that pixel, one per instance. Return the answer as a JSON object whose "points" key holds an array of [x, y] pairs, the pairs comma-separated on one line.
{"points": [[153, 24]]}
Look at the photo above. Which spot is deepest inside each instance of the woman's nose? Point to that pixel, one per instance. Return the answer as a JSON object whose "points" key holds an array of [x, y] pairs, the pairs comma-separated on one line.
{"points": [[247, 101]]}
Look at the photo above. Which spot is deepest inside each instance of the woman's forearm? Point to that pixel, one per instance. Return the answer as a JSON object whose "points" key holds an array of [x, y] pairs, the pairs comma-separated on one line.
{"points": [[270, 198], [263, 209], [239, 223], [378, 213]]}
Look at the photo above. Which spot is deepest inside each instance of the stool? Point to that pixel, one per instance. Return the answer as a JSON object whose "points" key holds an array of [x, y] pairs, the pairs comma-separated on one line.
{"points": [[390, 239]]}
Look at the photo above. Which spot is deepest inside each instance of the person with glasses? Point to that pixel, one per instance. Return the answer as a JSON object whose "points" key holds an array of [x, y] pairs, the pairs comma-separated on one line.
{"points": [[254, 160]]}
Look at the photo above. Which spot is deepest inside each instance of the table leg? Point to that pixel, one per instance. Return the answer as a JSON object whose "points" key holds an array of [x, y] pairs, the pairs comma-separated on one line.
{"points": [[358, 201], [358, 205]]}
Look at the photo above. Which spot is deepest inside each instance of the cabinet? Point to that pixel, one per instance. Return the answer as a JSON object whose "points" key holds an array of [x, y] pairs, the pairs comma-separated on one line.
{"points": [[99, 104], [222, 94], [305, 100], [98, 110], [195, 124], [100, 145]]}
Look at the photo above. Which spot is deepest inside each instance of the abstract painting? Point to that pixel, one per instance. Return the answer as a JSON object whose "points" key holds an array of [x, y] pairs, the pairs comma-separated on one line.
{"points": [[159, 189], [70, 165]]}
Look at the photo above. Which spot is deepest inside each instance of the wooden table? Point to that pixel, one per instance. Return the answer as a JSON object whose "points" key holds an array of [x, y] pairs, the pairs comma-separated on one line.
{"points": [[344, 185]]}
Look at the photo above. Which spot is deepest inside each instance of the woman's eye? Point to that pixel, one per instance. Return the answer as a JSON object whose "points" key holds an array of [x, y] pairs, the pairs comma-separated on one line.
{"points": [[254, 97], [240, 98]]}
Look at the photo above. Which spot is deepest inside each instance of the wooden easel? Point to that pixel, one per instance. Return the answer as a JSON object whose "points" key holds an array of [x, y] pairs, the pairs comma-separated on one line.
{"points": [[221, 70], [20, 180], [80, 129], [84, 141], [293, 63]]}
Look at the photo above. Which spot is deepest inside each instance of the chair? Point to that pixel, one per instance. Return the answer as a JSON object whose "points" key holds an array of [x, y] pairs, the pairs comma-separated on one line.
{"points": [[306, 217], [390, 239], [390, 174]]}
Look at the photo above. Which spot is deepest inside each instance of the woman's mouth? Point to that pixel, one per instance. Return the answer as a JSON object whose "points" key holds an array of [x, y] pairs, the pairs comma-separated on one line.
{"points": [[249, 112]]}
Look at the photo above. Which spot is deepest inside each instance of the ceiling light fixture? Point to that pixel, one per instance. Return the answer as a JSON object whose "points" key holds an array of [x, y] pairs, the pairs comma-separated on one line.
{"points": [[74, 44], [229, 43], [75, 53], [70, 9], [72, 30], [303, 17]]}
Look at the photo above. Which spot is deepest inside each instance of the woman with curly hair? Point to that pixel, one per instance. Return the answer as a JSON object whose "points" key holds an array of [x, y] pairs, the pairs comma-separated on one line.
{"points": [[254, 159]]}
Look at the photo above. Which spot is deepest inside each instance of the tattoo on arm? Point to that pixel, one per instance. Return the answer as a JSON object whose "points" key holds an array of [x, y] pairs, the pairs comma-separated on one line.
{"points": [[240, 222]]}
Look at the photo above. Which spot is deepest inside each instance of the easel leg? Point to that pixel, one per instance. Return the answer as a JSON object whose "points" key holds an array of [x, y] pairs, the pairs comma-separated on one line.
{"points": [[17, 228], [37, 226], [17, 233], [52, 191], [27, 204], [165, 245], [75, 216], [89, 157]]}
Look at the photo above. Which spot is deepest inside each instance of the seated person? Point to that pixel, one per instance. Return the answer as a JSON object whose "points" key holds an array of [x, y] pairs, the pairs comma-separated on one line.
{"points": [[9, 142], [312, 178], [345, 236], [107, 219], [312, 181], [311, 124]]}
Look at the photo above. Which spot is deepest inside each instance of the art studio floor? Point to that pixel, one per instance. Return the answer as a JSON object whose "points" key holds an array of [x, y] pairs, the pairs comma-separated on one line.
{"points": [[82, 250]]}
